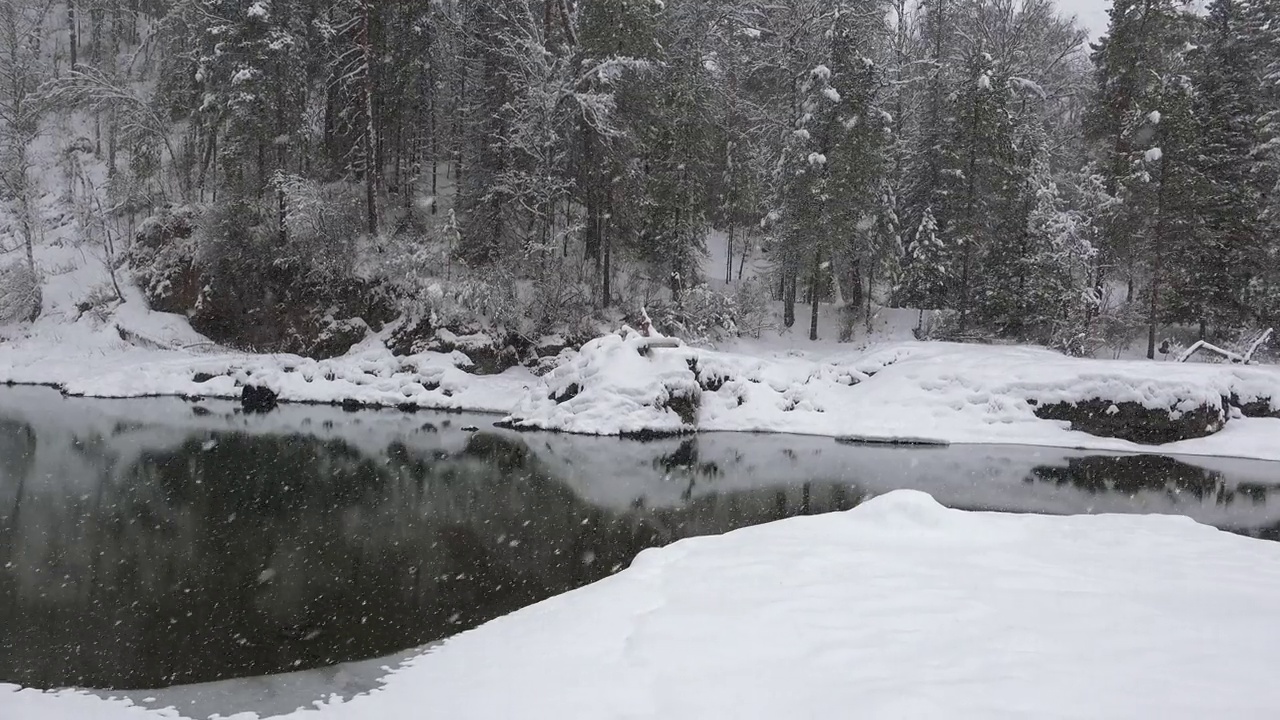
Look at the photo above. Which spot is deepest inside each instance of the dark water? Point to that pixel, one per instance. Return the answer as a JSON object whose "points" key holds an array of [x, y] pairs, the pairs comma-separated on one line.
{"points": [[152, 543]]}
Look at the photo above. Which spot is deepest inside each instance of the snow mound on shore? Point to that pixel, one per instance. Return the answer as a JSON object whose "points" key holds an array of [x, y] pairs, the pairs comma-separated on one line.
{"points": [[961, 393], [898, 608]]}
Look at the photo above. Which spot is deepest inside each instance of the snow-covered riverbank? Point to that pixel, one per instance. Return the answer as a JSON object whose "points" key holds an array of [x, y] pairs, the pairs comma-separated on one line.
{"points": [[949, 392], [899, 608]]}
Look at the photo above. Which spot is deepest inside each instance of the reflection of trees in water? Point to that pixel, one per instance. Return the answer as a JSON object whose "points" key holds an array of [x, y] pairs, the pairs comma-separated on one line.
{"points": [[1132, 474], [257, 554]]}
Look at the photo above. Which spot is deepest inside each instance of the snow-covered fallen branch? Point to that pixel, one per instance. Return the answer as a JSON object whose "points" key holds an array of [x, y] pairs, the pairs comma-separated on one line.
{"points": [[1234, 357]]}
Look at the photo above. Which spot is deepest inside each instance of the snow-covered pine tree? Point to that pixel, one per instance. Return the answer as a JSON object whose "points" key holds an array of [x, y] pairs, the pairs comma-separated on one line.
{"points": [[1174, 253], [975, 176], [926, 269], [1142, 40], [1217, 267]]}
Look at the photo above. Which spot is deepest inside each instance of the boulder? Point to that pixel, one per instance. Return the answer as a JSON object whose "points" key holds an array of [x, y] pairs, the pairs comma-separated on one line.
{"points": [[1257, 407], [255, 398], [1136, 422], [337, 338]]}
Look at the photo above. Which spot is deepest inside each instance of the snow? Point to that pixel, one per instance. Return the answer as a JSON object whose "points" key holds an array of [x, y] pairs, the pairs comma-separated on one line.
{"points": [[1028, 86], [898, 608], [942, 391], [779, 383], [984, 81], [889, 386], [1153, 117], [1153, 155], [259, 10], [831, 94]]}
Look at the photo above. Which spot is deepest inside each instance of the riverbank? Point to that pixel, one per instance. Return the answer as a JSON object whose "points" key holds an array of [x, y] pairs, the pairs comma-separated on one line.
{"points": [[936, 391]]}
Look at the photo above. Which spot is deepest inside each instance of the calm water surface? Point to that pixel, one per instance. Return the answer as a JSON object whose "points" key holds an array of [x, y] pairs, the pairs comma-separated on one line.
{"points": [[150, 543]]}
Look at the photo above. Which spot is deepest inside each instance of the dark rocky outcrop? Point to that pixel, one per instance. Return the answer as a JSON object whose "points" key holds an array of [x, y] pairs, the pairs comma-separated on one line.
{"points": [[1135, 422], [337, 338], [411, 336], [250, 299], [255, 398], [1259, 407], [567, 394], [163, 257], [710, 380], [685, 405]]}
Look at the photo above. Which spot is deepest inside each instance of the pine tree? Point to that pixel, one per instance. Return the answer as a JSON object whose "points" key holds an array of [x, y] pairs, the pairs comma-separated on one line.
{"points": [[1142, 40], [1218, 265], [926, 268]]}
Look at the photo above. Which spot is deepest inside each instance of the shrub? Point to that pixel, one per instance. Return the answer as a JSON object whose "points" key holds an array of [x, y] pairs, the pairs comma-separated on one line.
{"points": [[19, 293], [703, 316]]}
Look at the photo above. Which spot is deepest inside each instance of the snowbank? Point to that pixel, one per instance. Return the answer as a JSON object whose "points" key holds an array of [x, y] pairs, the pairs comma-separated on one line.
{"points": [[945, 391], [899, 608]]}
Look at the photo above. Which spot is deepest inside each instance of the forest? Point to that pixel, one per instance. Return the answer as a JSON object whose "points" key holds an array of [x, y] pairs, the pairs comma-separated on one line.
{"points": [[289, 173]]}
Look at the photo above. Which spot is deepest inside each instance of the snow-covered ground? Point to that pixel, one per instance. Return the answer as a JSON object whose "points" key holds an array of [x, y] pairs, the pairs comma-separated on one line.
{"points": [[883, 384], [943, 391], [952, 392], [897, 609]]}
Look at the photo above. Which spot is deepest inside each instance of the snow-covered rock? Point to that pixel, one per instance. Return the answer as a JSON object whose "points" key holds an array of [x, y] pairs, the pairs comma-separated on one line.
{"points": [[937, 391], [616, 385]]}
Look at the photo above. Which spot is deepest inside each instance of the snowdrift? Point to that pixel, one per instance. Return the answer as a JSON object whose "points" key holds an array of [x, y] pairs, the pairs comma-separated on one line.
{"points": [[960, 393], [620, 385]]}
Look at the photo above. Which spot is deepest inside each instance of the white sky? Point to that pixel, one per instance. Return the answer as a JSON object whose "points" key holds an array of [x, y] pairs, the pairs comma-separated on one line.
{"points": [[1092, 14]]}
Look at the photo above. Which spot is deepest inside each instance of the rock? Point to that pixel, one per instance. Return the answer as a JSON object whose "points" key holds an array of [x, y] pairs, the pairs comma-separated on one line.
{"points": [[686, 406], [337, 338], [255, 398], [350, 405], [162, 257], [487, 355], [1258, 407], [202, 377], [709, 379], [1135, 422], [567, 394], [411, 337]]}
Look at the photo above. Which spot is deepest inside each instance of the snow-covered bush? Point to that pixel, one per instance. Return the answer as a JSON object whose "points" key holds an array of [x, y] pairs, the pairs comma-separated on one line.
{"points": [[937, 325], [19, 293], [1117, 327], [162, 256], [323, 223], [703, 316], [752, 300]]}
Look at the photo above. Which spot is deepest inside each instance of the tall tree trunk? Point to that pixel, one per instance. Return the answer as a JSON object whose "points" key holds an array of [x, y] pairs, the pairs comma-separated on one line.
{"points": [[1157, 270], [789, 282], [73, 42], [813, 314], [607, 257], [371, 129]]}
